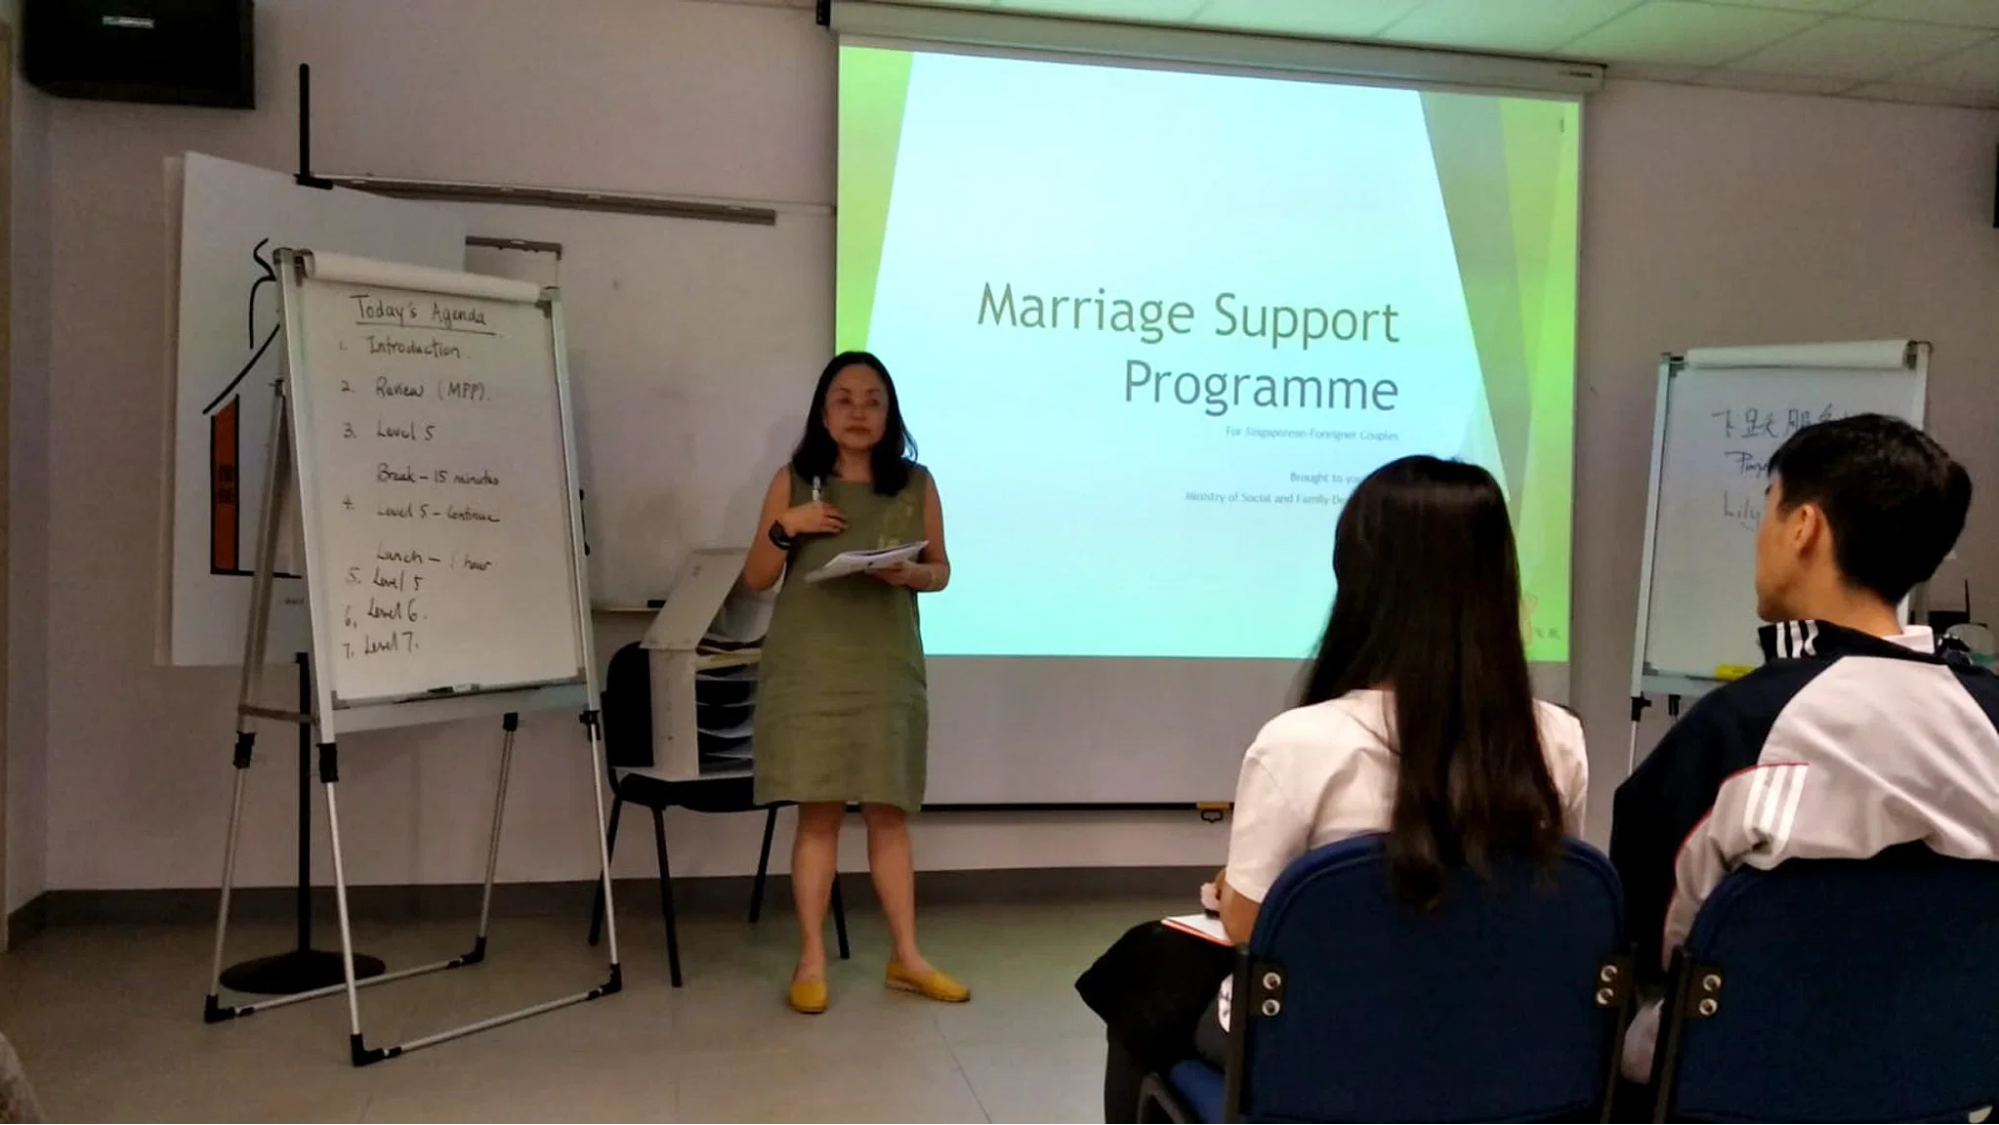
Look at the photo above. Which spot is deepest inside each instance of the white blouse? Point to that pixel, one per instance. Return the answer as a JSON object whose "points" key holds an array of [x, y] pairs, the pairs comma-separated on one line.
{"points": [[1320, 774]]}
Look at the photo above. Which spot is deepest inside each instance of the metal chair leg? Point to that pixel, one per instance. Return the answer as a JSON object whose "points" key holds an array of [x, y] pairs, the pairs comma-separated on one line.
{"points": [[610, 848], [840, 918], [763, 868], [666, 897]]}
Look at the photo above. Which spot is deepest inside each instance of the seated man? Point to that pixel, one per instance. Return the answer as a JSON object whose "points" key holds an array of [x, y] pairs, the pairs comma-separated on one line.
{"points": [[1855, 735]]}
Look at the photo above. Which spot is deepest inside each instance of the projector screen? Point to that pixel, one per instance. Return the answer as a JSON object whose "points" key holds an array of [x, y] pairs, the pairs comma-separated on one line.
{"points": [[1151, 326]]}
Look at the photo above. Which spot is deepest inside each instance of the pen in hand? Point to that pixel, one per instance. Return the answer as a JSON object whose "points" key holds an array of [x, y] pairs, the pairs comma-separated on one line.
{"points": [[1211, 897]]}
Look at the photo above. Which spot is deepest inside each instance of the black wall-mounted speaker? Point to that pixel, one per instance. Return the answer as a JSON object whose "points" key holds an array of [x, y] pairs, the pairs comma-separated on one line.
{"points": [[174, 52]]}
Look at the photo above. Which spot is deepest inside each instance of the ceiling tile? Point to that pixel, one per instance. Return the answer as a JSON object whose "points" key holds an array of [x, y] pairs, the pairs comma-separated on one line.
{"points": [[1961, 13], [1655, 72], [1926, 95], [1529, 26], [1148, 11], [1859, 49], [1773, 83], [1975, 69], [1684, 33], [1348, 19]]}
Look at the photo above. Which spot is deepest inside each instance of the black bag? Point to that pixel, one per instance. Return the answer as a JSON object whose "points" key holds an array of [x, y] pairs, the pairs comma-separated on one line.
{"points": [[1152, 986]]}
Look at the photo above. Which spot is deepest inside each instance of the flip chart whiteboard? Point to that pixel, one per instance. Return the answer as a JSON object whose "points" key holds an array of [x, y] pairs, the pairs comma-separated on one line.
{"points": [[1722, 413]]}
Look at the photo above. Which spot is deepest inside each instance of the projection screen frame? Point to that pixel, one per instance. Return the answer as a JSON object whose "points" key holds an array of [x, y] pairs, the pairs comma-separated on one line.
{"points": [[1214, 50]]}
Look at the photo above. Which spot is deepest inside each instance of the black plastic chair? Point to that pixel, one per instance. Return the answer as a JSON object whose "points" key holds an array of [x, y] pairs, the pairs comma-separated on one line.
{"points": [[628, 756], [711, 795]]}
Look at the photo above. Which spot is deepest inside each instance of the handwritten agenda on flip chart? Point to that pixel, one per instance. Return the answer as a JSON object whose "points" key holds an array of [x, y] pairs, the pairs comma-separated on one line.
{"points": [[440, 495]]}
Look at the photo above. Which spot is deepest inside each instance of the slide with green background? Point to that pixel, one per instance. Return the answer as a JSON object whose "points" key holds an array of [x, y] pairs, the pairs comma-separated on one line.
{"points": [[1151, 326]]}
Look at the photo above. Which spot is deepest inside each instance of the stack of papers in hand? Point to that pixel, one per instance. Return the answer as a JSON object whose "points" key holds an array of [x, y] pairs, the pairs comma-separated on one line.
{"points": [[861, 562]]}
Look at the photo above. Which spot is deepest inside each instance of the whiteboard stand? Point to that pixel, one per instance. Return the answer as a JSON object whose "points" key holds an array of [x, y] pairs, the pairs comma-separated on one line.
{"points": [[292, 475], [1720, 415]]}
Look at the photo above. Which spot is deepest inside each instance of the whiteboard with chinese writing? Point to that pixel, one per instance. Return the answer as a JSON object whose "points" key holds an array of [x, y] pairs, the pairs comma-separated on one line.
{"points": [[436, 480], [1722, 413]]}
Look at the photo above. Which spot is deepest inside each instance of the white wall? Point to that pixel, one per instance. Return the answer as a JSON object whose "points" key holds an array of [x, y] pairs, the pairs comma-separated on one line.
{"points": [[1710, 217], [724, 100], [1713, 217], [28, 472]]}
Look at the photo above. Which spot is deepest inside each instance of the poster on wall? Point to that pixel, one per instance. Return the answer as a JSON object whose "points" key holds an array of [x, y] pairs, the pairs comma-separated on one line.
{"points": [[227, 357]]}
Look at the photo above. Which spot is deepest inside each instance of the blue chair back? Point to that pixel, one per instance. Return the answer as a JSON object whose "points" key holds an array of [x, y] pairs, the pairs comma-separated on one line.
{"points": [[1849, 990], [1486, 1010]]}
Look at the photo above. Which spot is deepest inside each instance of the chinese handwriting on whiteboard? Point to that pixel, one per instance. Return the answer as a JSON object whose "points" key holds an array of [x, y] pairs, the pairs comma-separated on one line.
{"points": [[1750, 435]]}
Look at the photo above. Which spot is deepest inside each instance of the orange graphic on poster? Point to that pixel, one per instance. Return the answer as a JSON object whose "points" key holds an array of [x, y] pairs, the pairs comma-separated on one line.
{"points": [[225, 444]]}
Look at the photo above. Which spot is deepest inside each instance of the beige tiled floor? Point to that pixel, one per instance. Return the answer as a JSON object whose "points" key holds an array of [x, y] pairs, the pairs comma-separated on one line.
{"points": [[107, 1021]]}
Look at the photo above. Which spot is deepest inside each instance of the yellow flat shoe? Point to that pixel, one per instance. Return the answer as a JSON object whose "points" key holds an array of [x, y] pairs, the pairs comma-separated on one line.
{"points": [[807, 996], [933, 984]]}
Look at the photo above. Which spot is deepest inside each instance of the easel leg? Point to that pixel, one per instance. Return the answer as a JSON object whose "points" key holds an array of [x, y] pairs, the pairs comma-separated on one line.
{"points": [[510, 724], [213, 1012], [597, 772], [329, 775], [610, 850]]}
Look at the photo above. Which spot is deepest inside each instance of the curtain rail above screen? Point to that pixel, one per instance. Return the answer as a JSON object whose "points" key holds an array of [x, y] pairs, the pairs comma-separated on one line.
{"points": [[1211, 48], [626, 203]]}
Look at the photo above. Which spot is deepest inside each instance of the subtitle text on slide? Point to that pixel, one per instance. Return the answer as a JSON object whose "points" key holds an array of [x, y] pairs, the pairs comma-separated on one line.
{"points": [[1302, 490]]}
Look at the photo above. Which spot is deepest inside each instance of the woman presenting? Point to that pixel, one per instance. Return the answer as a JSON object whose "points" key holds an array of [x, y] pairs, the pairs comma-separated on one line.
{"points": [[843, 711]]}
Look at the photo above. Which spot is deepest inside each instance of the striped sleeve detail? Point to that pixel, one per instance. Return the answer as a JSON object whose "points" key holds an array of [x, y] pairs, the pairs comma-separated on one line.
{"points": [[1772, 806], [1753, 815]]}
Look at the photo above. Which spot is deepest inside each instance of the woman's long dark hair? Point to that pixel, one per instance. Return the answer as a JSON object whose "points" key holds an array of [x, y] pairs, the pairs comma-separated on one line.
{"points": [[1429, 608], [892, 457]]}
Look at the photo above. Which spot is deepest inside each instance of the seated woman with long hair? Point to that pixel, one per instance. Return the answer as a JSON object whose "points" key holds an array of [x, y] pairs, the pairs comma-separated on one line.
{"points": [[1417, 720]]}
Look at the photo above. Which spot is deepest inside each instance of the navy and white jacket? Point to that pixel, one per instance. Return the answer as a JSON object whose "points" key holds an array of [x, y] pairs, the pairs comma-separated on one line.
{"points": [[1839, 746]]}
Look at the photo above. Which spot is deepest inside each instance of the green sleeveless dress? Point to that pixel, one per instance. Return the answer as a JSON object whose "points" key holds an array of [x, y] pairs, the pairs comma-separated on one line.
{"points": [[843, 706]]}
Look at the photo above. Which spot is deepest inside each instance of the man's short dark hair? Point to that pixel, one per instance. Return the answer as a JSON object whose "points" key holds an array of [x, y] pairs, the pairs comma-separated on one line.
{"points": [[1894, 499]]}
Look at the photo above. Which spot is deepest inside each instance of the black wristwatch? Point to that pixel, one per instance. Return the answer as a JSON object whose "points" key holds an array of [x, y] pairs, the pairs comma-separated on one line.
{"points": [[782, 541]]}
